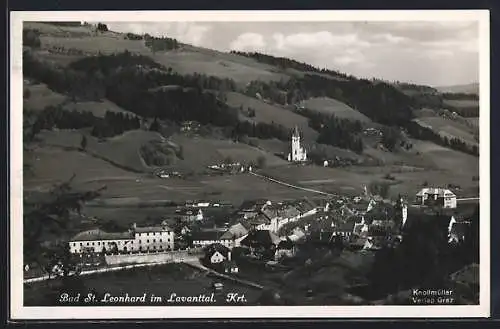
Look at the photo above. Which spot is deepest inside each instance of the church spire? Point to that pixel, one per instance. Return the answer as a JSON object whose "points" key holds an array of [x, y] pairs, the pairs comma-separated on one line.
{"points": [[296, 131]]}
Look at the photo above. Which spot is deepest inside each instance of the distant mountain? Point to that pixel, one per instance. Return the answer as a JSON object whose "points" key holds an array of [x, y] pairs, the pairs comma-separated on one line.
{"points": [[471, 88]]}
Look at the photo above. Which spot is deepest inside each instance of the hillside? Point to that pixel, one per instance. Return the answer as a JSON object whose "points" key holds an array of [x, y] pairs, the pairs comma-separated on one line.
{"points": [[246, 106], [331, 106], [265, 112], [471, 88]]}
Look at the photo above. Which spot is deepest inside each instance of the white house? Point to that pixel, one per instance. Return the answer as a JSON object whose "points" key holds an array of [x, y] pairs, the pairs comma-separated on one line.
{"points": [[298, 153], [437, 196]]}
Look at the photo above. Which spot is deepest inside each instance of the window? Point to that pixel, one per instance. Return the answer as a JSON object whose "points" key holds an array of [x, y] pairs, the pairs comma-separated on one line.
{"points": [[87, 243], [160, 240], [154, 247], [81, 244], [147, 241], [154, 240], [98, 243]]}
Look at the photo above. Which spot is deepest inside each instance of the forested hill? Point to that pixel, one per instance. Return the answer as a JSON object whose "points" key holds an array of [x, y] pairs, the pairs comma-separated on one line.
{"points": [[149, 82]]}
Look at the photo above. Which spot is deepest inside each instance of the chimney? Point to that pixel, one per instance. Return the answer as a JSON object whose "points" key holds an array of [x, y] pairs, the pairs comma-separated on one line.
{"points": [[229, 255]]}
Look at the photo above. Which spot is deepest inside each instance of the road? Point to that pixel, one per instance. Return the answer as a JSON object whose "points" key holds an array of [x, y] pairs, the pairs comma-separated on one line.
{"points": [[292, 186]]}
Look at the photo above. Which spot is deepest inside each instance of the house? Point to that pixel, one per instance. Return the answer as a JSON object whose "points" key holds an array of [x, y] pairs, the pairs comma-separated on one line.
{"points": [[137, 239], [297, 235], [457, 229], [205, 238], [260, 239], [189, 214], [217, 253], [286, 248], [235, 233], [430, 196], [344, 229]]}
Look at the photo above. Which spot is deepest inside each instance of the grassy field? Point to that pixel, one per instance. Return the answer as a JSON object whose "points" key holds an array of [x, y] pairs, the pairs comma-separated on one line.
{"points": [[460, 103], [473, 121], [98, 108], [449, 128], [122, 150], [407, 180], [331, 106], [161, 280], [191, 60], [267, 113], [472, 88], [40, 96]]}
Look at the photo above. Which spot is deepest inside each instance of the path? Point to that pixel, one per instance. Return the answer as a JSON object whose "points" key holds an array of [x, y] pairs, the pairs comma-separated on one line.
{"points": [[293, 186], [105, 269]]}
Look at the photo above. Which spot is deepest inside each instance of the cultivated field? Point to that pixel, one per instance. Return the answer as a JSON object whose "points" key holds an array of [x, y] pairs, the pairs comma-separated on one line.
{"points": [[267, 113], [331, 106]]}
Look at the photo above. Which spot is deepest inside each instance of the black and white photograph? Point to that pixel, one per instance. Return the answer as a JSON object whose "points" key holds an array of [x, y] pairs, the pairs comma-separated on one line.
{"points": [[249, 164]]}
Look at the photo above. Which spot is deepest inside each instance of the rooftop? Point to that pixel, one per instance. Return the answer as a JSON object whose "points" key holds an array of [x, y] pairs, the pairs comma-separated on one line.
{"points": [[441, 192], [97, 234]]}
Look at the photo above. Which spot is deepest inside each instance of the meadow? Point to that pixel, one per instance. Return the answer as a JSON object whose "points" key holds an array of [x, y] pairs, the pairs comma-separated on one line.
{"points": [[267, 113], [328, 105]]}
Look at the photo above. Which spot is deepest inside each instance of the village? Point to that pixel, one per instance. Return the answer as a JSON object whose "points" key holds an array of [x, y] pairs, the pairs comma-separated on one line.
{"points": [[270, 232]]}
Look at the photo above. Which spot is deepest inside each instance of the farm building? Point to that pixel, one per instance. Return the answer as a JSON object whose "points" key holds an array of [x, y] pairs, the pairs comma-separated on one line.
{"points": [[437, 196], [190, 215], [137, 239]]}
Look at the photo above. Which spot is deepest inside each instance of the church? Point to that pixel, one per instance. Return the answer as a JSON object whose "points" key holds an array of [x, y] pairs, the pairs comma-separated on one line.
{"points": [[298, 154]]}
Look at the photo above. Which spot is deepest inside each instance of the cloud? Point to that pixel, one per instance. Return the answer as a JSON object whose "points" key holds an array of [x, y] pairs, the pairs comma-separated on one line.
{"points": [[317, 39], [248, 42]]}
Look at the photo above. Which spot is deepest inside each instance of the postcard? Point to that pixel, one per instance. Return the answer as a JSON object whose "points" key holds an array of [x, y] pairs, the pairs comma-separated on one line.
{"points": [[249, 164]]}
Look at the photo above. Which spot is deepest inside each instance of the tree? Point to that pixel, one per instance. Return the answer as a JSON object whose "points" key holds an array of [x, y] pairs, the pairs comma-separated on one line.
{"points": [[261, 161], [83, 143], [155, 126], [49, 216], [102, 27]]}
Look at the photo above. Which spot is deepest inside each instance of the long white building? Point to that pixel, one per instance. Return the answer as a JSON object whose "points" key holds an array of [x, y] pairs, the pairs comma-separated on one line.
{"points": [[137, 239]]}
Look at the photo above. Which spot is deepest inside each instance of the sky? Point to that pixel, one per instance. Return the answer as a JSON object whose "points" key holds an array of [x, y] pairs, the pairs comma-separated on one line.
{"points": [[422, 52]]}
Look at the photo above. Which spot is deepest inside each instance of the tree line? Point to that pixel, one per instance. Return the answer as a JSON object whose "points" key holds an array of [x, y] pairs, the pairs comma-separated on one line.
{"points": [[260, 130], [160, 43], [287, 63], [335, 131], [111, 125]]}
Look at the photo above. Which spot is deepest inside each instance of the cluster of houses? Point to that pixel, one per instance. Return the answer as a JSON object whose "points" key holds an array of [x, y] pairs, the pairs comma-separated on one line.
{"points": [[276, 230], [232, 168]]}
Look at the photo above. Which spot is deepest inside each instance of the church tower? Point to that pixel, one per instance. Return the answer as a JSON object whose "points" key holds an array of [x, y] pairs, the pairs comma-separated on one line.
{"points": [[298, 153]]}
